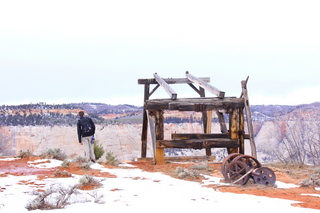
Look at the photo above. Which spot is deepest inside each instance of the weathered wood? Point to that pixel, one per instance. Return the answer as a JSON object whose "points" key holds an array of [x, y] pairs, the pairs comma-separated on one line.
{"points": [[152, 121], [154, 89], [207, 119], [198, 143], [183, 158], [241, 131], [222, 121], [194, 88], [234, 128], [195, 104], [248, 114], [205, 85], [186, 136], [159, 134], [165, 86], [144, 134], [170, 80]]}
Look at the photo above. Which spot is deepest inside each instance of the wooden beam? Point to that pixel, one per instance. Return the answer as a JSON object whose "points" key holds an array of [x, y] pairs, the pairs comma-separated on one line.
{"points": [[165, 86], [183, 158], [248, 114], [205, 85], [187, 136], [198, 143], [195, 104], [170, 80]]}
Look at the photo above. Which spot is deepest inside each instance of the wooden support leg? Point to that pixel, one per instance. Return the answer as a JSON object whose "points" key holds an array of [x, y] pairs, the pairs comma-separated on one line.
{"points": [[144, 134], [159, 156], [241, 131], [234, 134], [157, 131]]}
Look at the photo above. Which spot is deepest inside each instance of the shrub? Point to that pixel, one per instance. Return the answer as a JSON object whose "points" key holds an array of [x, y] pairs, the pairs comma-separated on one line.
{"points": [[52, 198], [111, 159], [183, 173], [313, 181], [54, 154], [58, 173], [80, 159], [98, 150], [85, 166], [200, 167], [87, 180], [65, 164], [25, 154]]}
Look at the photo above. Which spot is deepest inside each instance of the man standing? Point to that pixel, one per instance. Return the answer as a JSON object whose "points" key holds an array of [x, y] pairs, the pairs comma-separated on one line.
{"points": [[86, 130]]}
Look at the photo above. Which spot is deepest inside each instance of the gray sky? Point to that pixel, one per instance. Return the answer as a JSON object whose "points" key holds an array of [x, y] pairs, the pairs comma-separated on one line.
{"points": [[95, 51]]}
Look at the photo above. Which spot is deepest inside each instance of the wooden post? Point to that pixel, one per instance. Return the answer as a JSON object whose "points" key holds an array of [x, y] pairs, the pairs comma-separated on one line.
{"points": [[157, 132], [159, 136], [241, 131], [207, 120], [234, 134], [144, 134], [248, 114]]}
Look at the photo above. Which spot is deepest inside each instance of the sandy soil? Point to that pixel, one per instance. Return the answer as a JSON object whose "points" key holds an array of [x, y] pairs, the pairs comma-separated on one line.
{"points": [[21, 167]]}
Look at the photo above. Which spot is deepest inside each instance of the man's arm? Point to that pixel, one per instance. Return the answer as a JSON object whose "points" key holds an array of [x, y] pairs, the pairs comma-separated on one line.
{"points": [[79, 131]]}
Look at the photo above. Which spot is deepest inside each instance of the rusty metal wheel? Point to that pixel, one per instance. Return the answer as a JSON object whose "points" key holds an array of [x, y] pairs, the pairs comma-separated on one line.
{"points": [[264, 176], [251, 162], [226, 162], [236, 172]]}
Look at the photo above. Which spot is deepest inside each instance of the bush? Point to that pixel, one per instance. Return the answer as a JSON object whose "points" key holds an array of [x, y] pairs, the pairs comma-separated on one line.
{"points": [[200, 167], [111, 159], [65, 164], [87, 180], [98, 150], [183, 173], [25, 154], [58, 173], [313, 181], [80, 159], [54, 154], [85, 166], [52, 198]]}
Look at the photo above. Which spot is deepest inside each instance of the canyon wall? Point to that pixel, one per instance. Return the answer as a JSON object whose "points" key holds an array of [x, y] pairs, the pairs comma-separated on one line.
{"points": [[124, 140]]}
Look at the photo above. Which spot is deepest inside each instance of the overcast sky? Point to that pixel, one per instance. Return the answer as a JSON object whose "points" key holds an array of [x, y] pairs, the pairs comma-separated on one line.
{"points": [[95, 51]]}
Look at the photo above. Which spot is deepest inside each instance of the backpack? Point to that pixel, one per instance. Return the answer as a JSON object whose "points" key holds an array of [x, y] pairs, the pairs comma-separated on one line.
{"points": [[86, 126]]}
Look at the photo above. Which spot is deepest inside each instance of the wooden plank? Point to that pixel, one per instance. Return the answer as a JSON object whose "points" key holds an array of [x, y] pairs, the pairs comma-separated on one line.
{"points": [[171, 80], [187, 136], [151, 120], [248, 114], [205, 143], [183, 158], [192, 104], [165, 86], [205, 85]]}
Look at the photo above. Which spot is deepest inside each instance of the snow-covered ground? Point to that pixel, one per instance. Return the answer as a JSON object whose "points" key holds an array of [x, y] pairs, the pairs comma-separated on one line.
{"points": [[135, 190]]}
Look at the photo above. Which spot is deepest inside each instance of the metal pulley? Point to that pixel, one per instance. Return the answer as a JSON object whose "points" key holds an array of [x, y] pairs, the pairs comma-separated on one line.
{"points": [[237, 168]]}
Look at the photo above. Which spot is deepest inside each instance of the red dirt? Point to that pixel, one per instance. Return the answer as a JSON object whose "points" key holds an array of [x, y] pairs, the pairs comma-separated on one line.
{"points": [[21, 167]]}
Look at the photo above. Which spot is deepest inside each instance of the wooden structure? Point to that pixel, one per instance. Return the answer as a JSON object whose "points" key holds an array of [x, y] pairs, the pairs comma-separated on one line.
{"points": [[232, 139]]}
